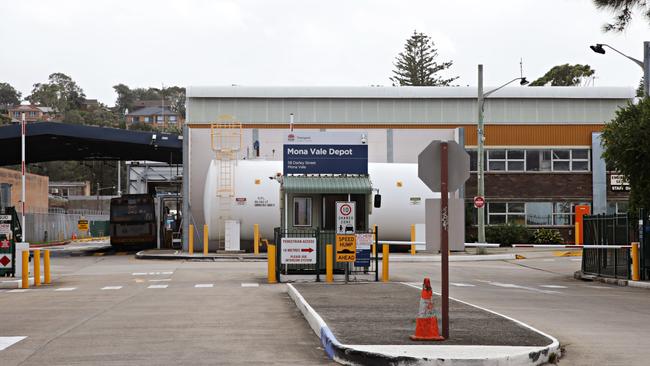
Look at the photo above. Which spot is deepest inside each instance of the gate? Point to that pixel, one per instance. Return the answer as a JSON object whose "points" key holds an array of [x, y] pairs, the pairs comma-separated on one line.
{"points": [[608, 230], [318, 269]]}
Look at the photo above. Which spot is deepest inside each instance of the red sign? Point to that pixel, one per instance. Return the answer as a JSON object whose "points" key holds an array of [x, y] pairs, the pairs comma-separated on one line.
{"points": [[5, 261], [479, 201], [5, 244]]}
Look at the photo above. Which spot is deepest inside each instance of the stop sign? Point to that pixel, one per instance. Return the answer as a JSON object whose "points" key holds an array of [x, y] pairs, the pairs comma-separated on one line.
{"points": [[479, 201], [429, 165]]}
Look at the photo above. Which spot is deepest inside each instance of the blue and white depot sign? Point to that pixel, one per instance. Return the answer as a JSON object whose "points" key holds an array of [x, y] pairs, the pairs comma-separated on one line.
{"points": [[325, 153]]}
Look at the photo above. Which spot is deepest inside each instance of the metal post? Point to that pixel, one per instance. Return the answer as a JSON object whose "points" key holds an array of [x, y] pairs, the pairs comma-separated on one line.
{"points": [[23, 127], [37, 267], [329, 263], [119, 178], [646, 68], [480, 176], [186, 185], [318, 254], [444, 236], [374, 252]]}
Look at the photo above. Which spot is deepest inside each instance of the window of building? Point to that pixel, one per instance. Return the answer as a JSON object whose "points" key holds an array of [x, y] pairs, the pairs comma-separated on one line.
{"points": [[172, 118], [539, 213], [617, 208], [32, 114], [510, 212], [17, 114], [147, 119], [134, 119], [160, 119], [580, 160], [301, 211]]}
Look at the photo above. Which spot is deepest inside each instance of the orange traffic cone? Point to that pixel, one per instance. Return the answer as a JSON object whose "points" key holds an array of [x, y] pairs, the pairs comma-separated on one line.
{"points": [[426, 325], [74, 236]]}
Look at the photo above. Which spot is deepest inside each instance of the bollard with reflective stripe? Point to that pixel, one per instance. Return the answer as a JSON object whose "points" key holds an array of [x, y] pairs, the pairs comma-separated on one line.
{"points": [[412, 239], [46, 267], [636, 275], [37, 267], [256, 239], [329, 263], [25, 274]]}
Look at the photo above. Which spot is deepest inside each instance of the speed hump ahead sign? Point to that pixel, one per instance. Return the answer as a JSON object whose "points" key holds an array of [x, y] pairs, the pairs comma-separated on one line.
{"points": [[346, 248]]}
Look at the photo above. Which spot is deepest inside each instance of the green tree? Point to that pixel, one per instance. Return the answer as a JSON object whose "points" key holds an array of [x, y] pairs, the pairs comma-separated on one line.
{"points": [[417, 65], [8, 96], [174, 97], [623, 10], [639, 89], [626, 149], [60, 92], [125, 98], [565, 75]]}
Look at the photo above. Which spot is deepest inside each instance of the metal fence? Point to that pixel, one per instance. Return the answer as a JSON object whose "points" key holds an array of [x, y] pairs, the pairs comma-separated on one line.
{"points": [[49, 227], [608, 230], [318, 269]]}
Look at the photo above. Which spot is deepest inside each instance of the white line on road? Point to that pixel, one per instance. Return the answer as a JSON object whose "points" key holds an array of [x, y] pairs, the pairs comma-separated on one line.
{"points": [[511, 285], [160, 280], [548, 260], [461, 284], [576, 259], [8, 341], [19, 290], [168, 272], [599, 287], [552, 286], [139, 273], [158, 286], [250, 285], [66, 289], [204, 285], [111, 288]]}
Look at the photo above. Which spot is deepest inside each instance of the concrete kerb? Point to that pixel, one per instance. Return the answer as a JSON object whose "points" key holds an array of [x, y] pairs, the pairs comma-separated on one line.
{"points": [[578, 275], [411, 355]]}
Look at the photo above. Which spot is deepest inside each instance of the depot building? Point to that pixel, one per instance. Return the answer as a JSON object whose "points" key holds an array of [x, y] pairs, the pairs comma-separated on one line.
{"points": [[543, 147]]}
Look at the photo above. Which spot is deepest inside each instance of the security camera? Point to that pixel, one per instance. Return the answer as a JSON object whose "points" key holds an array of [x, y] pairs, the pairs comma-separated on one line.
{"points": [[363, 139]]}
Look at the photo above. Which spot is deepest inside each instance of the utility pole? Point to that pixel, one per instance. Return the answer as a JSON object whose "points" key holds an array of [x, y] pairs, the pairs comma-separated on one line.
{"points": [[480, 177]]}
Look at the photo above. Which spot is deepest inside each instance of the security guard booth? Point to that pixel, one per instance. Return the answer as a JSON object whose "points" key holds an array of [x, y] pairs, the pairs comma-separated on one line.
{"points": [[321, 169]]}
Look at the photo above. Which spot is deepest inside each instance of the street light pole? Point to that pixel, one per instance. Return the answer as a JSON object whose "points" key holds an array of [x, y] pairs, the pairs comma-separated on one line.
{"points": [[480, 138], [645, 64]]}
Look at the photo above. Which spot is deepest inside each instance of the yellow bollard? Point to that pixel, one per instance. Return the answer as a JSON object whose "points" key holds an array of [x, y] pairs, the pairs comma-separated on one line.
{"points": [[329, 263], [374, 234], [25, 274], [205, 239], [37, 267], [384, 263], [635, 262], [412, 239], [256, 239], [577, 233], [191, 246], [46, 267], [271, 263]]}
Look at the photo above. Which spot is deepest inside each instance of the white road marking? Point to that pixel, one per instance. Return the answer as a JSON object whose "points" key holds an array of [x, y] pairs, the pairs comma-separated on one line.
{"points": [[111, 288], [250, 285], [576, 259], [160, 280], [139, 273], [19, 290], [8, 341], [168, 272], [461, 284], [600, 287], [66, 289], [511, 285], [548, 260], [552, 286], [157, 286], [203, 285]]}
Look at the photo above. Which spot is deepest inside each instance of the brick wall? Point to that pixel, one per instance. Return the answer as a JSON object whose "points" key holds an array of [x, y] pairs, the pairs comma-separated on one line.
{"points": [[36, 189]]}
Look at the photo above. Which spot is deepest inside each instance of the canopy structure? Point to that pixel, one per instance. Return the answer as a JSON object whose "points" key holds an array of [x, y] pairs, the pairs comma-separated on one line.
{"points": [[52, 141], [327, 184]]}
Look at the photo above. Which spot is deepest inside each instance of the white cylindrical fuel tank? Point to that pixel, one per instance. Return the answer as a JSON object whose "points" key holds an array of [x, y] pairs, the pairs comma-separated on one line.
{"points": [[257, 198]]}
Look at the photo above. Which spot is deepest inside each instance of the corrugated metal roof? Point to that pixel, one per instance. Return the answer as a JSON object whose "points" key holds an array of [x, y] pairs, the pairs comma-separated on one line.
{"points": [[407, 92], [317, 185]]}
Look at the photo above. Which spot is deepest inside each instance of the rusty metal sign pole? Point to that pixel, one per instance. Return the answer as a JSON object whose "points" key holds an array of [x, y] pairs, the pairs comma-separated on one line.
{"points": [[444, 236]]}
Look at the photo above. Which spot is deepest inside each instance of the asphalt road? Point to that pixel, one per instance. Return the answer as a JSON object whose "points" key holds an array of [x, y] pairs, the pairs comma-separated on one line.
{"points": [[598, 324], [115, 310]]}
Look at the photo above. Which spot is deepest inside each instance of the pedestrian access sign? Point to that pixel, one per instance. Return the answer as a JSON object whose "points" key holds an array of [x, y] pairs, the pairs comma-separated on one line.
{"points": [[345, 213], [298, 251], [346, 248]]}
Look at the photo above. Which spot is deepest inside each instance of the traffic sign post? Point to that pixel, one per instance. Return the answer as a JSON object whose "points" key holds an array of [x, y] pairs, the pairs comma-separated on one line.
{"points": [[444, 154], [346, 251], [345, 217]]}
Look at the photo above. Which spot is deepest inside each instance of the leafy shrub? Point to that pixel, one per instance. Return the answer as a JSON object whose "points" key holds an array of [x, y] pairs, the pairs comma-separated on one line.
{"points": [[507, 234], [547, 236]]}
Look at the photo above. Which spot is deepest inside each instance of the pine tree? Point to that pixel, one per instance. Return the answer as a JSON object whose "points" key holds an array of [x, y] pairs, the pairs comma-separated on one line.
{"points": [[416, 66]]}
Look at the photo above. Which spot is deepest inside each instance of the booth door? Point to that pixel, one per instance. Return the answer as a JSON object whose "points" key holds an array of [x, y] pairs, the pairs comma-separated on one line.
{"points": [[328, 217]]}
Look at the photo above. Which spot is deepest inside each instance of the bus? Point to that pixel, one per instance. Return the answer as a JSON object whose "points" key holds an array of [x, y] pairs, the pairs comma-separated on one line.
{"points": [[133, 220]]}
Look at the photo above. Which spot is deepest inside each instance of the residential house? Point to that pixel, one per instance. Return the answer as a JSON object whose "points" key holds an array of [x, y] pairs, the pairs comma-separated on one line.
{"points": [[162, 117], [33, 113]]}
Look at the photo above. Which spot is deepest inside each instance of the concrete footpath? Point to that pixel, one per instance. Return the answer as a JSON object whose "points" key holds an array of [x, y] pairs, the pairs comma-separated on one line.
{"points": [[370, 324]]}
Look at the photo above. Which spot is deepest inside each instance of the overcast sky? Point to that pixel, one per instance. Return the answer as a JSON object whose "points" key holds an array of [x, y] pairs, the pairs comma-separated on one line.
{"points": [[145, 43]]}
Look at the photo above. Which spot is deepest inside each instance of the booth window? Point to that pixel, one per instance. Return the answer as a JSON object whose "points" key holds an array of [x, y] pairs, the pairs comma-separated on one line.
{"points": [[301, 211]]}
